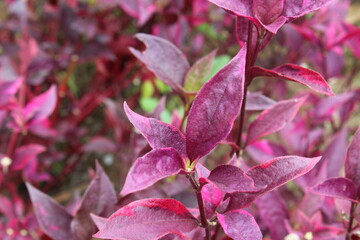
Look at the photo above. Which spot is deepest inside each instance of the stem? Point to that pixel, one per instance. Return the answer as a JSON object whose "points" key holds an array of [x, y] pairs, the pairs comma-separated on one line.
{"points": [[204, 222], [351, 220]]}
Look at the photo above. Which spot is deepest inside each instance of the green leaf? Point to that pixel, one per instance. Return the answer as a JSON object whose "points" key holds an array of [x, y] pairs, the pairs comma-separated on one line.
{"points": [[198, 73], [147, 89], [219, 63], [148, 104]]}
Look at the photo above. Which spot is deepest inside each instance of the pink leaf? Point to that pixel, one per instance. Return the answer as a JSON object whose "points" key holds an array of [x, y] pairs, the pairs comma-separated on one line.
{"points": [[164, 59], [157, 133], [239, 225], [99, 221], [242, 8], [41, 107], [212, 197], [298, 74], [352, 162], [336, 187], [273, 119], [25, 155], [257, 102], [215, 108], [148, 219], [8, 90], [298, 8], [147, 170], [53, 218]]}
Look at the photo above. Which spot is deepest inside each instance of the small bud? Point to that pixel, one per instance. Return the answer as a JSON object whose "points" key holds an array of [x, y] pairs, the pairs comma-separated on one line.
{"points": [[5, 162], [308, 236], [292, 236]]}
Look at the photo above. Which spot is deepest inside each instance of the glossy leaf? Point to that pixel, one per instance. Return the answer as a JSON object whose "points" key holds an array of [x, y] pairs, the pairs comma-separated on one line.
{"points": [[148, 219], [336, 187], [147, 170], [239, 225], [198, 73], [53, 218], [298, 74], [164, 59], [157, 133], [215, 108], [352, 162], [273, 119], [41, 107]]}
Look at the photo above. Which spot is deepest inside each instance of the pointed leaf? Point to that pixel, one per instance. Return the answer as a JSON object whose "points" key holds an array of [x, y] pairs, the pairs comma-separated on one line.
{"points": [[298, 8], [157, 133], [336, 187], [273, 119], [239, 225], [199, 72], [242, 8], [25, 155], [147, 170], [352, 162], [148, 219], [271, 175], [298, 74], [99, 198], [164, 59], [99, 221], [41, 107], [215, 108], [53, 218]]}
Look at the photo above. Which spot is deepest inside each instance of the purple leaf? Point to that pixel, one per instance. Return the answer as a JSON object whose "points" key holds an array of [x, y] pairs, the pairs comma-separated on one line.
{"points": [[215, 108], [273, 212], [239, 225], [352, 163], [157, 133], [25, 155], [267, 11], [212, 197], [53, 218], [41, 107], [257, 102], [99, 221], [199, 72], [8, 90], [164, 59], [273, 119], [298, 74], [148, 219], [242, 8], [298, 8], [99, 198], [271, 175], [336, 187], [99, 144], [231, 179], [147, 170]]}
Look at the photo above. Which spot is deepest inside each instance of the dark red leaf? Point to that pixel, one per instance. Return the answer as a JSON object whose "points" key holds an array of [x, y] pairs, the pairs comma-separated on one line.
{"points": [[298, 74], [215, 108], [147, 170], [148, 219]]}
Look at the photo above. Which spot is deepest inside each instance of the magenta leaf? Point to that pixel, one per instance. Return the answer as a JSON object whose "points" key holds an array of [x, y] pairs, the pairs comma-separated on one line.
{"points": [[229, 178], [273, 119], [215, 108], [239, 225], [152, 167], [99, 198], [26, 155], [271, 175], [258, 102], [164, 59], [99, 221], [336, 187], [8, 90], [40, 107], [298, 8], [298, 74], [199, 72], [148, 219], [352, 163], [212, 197], [53, 218], [157, 133]]}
